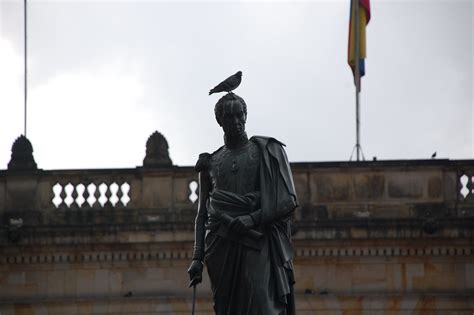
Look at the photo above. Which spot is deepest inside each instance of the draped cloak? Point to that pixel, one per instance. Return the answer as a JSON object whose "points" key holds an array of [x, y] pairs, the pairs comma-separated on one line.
{"points": [[248, 275]]}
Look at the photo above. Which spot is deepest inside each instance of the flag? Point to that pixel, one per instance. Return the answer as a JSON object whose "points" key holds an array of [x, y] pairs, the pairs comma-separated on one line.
{"points": [[364, 18]]}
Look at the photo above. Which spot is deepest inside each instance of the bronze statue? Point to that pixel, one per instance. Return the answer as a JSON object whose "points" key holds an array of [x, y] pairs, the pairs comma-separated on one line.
{"points": [[242, 232]]}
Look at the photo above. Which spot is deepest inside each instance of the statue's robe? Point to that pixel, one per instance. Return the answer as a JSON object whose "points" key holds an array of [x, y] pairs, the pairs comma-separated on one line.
{"points": [[248, 275]]}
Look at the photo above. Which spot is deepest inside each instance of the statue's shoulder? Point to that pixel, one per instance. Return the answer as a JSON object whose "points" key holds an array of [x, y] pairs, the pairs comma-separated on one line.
{"points": [[204, 160], [263, 141]]}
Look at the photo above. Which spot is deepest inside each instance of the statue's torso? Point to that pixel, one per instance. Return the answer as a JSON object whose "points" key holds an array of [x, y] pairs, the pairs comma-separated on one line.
{"points": [[236, 170]]}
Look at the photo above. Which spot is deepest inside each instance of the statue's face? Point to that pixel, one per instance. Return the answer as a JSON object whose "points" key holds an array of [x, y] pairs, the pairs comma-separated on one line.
{"points": [[233, 118]]}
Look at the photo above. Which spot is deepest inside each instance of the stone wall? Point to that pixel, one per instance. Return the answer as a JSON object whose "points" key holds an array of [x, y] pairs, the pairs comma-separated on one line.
{"points": [[392, 237]]}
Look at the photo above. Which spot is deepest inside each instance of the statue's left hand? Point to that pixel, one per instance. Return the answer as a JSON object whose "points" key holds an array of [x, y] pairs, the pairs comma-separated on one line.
{"points": [[241, 223]]}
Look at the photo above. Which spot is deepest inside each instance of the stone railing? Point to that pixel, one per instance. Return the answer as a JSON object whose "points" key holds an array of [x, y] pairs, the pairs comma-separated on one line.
{"points": [[385, 189], [327, 191], [96, 189]]}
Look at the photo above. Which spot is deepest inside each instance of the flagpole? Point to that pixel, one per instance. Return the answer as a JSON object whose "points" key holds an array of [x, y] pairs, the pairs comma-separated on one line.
{"points": [[25, 67], [357, 73]]}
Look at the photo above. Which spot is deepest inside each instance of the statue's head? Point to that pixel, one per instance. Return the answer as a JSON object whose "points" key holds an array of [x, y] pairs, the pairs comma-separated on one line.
{"points": [[231, 114]]}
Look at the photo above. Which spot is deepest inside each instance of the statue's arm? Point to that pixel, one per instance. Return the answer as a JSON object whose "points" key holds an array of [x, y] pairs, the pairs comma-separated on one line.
{"points": [[199, 228], [196, 267]]}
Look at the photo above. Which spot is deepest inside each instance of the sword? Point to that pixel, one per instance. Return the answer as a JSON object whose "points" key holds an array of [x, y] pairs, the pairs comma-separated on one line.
{"points": [[194, 299], [193, 283]]}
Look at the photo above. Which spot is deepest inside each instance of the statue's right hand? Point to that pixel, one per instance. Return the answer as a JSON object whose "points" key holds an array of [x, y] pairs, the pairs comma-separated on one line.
{"points": [[195, 272]]}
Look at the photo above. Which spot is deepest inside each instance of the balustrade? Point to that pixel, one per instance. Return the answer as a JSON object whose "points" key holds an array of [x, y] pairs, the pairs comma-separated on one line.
{"points": [[89, 194], [364, 188]]}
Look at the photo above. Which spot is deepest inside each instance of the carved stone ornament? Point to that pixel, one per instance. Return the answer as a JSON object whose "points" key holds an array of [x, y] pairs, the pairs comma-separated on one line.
{"points": [[22, 155], [157, 154]]}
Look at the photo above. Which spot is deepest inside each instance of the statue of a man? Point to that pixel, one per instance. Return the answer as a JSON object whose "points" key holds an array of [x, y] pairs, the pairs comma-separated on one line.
{"points": [[242, 232]]}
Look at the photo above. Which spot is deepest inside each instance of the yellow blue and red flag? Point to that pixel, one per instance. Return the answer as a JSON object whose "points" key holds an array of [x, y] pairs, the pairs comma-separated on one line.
{"points": [[364, 18]]}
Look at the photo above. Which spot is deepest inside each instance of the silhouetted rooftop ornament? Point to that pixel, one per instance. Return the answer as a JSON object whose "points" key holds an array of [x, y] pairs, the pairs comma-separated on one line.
{"points": [[229, 84], [157, 154], [22, 155]]}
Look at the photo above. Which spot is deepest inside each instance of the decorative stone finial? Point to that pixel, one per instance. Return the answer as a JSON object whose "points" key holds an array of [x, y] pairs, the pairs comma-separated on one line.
{"points": [[22, 155], [157, 151]]}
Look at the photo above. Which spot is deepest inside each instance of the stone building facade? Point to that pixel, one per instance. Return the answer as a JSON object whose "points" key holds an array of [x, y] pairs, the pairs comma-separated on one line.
{"points": [[378, 237]]}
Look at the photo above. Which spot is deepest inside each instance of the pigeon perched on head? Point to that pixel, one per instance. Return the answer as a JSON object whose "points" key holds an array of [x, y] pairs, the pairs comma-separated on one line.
{"points": [[229, 84]]}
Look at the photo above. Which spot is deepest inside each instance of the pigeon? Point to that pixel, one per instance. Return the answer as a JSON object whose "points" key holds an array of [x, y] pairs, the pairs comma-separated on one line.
{"points": [[229, 84], [433, 155]]}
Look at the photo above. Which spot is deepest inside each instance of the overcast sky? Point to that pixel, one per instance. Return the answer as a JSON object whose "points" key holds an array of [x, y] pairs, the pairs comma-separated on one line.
{"points": [[103, 75]]}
